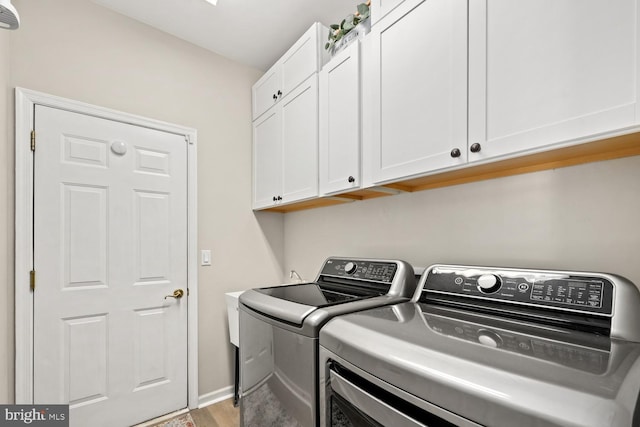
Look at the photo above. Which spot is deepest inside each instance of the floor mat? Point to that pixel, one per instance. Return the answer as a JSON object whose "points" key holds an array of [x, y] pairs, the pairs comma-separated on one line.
{"points": [[183, 420]]}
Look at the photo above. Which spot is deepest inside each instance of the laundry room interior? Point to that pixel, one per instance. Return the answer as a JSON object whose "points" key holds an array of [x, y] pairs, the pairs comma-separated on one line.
{"points": [[564, 197]]}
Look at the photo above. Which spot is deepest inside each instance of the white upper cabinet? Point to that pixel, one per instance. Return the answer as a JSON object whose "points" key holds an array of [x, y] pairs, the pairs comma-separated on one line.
{"points": [[285, 149], [419, 89], [300, 142], [267, 159], [303, 59], [265, 91], [285, 124], [339, 92], [442, 84], [547, 72], [380, 8]]}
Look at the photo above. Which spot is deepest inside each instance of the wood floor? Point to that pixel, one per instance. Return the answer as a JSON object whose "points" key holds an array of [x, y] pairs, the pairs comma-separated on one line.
{"points": [[222, 414]]}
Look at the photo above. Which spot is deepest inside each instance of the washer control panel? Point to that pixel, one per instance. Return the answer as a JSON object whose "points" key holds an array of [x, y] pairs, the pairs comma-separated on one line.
{"points": [[552, 289], [376, 271]]}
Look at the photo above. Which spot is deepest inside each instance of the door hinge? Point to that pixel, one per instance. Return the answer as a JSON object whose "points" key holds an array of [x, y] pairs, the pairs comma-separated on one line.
{"points": [[32, 280], [33, 140]]}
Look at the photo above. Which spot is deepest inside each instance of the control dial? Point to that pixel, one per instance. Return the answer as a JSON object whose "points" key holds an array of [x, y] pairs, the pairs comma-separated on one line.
{"points": [[350, 267], [489, 283]]}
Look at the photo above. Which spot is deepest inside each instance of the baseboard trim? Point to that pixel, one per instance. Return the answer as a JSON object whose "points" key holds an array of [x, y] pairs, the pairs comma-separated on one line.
{"points": [[215, 396]]}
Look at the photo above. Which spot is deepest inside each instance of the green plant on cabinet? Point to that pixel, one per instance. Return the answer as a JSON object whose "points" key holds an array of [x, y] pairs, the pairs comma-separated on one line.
{"points": [[349, 23]]}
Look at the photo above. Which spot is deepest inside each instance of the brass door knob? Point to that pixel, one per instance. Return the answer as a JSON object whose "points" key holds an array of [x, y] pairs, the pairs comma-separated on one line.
{"points": [[177, 294]]}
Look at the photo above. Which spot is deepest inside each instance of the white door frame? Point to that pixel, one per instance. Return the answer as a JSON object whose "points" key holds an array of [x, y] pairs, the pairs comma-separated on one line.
{"points": [[25, 106]]}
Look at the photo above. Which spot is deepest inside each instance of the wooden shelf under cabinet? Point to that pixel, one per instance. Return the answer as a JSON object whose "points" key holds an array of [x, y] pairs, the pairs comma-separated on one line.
{"points": [[599, 150]]}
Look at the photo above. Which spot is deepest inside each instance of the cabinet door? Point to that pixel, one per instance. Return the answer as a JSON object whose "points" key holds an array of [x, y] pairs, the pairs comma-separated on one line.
{"points": [[340, 122], [546, 72], [265, 91], [300, 142], [301, 60], [380, 8], [267, 159], [419, 88]]}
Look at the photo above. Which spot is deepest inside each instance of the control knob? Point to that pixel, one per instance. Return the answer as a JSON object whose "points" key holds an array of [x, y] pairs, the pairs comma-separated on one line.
{"points": [[350, 267], [489, 283], [489, 338]]}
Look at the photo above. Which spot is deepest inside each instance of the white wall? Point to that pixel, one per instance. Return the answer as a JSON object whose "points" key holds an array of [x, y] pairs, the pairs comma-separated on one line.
{"points": [[77, 49], [581, 218]]}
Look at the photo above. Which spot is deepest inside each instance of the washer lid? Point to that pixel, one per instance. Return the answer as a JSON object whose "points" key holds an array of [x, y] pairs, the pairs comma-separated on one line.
{"points": [[286, 311], [293, 303], [313, 294]]}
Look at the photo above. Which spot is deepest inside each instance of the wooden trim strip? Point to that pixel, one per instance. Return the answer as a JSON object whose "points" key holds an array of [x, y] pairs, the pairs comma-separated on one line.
{"points": [[605, 149]]}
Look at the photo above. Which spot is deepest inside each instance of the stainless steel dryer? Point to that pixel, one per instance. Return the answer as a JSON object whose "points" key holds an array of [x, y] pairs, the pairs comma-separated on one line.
{"points": [[491, 347], [279, 334]]}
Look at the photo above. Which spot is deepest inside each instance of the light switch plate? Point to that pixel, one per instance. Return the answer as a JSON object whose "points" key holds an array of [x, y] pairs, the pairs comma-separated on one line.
{"points": [[205, 257]]}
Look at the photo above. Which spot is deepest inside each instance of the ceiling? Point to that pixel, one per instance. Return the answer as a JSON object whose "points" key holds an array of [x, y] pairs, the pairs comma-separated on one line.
{"points": [[252, 32]]}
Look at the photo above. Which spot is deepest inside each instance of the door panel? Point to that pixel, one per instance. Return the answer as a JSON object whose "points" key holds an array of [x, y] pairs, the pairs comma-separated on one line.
{"points": [[85, 151], [546, 71], [150, 342], [340, 122], [85, 243], [110, 243], [154, 162], [419, 80], [300, 61], [267, 159], [265, 89], [300, 142], [85, 359], [380, 8], [152, 235]]}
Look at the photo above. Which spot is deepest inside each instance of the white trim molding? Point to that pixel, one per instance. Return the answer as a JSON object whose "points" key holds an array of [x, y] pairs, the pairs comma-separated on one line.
{"points": [[216, 396], [26, 100]]}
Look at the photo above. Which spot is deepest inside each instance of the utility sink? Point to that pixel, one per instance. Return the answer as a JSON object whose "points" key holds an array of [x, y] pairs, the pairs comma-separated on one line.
{"points": [[233, 314]]}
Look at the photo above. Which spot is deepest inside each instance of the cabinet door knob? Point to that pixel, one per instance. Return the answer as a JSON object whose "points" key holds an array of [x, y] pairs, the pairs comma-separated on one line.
{"points": [[274, 198], [455, 152], [351, 179], [279, 197], [275, 96], [475, 148], [279, 93]]}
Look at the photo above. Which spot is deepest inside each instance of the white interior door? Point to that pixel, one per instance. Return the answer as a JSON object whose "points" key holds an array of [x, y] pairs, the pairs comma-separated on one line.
{"points": [[110, 242]]}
